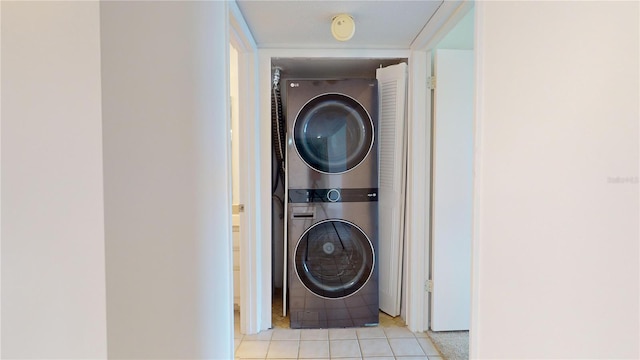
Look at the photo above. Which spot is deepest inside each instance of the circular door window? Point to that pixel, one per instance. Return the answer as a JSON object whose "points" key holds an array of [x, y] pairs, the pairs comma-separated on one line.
{"points": [[333, 133], [334, 259]]}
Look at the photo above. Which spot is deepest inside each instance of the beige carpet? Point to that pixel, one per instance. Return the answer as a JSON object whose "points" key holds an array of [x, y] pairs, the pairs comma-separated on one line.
{"points": [[453, 345]]}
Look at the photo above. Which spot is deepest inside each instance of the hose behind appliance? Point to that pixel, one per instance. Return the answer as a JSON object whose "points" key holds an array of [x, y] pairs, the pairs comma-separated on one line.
{"points": [[277, 126], [278, 140]]}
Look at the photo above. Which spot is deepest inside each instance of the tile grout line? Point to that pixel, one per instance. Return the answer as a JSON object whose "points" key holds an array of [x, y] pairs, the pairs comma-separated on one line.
{"points": [[359, 346], [266, 356], [393, 353]]}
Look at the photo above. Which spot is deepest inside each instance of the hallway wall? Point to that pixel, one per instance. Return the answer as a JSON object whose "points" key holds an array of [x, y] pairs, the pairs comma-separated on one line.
{"points": [[556, 190], [167, 194], [149, 80], [53, 266]]}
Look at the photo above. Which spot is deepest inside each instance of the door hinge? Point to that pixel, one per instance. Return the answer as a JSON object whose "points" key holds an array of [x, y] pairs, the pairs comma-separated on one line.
{"points": [[431, 82], [428, 286], [237, 209]]}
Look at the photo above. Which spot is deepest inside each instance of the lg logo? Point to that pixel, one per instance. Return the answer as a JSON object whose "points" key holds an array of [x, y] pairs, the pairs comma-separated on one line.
{"points": [[295, 85]]}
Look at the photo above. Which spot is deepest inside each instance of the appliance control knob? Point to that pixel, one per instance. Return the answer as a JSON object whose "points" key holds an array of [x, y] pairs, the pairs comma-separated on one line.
{"points": [[333, 195]]}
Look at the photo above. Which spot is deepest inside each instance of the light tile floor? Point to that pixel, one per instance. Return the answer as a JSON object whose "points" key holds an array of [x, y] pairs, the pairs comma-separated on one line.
{"points": [[390, 340]]}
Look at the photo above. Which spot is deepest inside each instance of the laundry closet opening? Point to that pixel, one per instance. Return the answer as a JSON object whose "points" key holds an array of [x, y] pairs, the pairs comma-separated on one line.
{"points": [[355, 184]]}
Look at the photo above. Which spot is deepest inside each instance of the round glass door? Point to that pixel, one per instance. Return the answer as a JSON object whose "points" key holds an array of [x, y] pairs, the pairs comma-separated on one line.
{"points": [[334, 259], [333, 133]]}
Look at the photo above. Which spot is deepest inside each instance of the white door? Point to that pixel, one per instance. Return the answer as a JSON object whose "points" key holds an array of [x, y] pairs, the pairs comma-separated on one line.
{"points": [[392, 85], [452, 177]]}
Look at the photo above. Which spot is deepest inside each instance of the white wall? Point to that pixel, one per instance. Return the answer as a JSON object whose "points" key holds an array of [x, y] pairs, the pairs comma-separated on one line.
{"points": [[167, 194], [556, 217], [53, 270]]}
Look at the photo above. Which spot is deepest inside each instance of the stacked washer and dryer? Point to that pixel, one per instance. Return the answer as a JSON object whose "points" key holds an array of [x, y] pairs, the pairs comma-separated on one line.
{"points": [[332, 163]]}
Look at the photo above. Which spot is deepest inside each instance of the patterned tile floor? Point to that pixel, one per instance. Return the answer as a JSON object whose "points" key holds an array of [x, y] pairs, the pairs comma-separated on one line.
{"points": [[390, 340]]}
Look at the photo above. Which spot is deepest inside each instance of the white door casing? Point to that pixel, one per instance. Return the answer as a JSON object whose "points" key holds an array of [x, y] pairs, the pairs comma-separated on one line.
{"points": [[415, 300], [249, 243]]}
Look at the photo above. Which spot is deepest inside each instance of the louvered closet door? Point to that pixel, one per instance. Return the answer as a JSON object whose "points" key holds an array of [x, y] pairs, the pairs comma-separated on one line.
{"points": [[392, 85]]}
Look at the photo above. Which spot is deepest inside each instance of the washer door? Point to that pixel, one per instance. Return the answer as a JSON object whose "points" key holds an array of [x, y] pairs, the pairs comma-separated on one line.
{"points": [[334, 259], [333, 133]]}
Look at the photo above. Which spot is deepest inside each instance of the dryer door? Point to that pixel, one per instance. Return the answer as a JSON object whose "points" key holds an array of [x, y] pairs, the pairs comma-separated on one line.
{"points": [[333, 133], [334, 259]]}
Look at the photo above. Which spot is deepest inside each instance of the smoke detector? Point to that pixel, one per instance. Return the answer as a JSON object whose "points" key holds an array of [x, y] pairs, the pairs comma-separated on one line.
{"points": [[343, 27]]}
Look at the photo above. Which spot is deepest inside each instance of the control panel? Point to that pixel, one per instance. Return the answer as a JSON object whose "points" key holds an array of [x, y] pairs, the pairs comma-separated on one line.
{"points": [[332, 195]]}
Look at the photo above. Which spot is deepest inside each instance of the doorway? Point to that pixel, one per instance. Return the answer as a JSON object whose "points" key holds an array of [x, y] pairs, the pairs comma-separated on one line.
{"points": [[308, 65], [259, 257]]}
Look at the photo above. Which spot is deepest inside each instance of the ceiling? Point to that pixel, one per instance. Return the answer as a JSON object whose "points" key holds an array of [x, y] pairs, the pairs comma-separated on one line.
{"points": [[383, 24]]}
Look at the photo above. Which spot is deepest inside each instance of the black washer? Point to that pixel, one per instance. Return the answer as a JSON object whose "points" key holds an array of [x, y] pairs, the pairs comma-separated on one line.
{"points": [[334, 259]]}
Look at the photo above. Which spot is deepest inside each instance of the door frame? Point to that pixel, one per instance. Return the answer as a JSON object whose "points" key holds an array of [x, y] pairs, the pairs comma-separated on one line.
{"points": [[255, 84], [263, 303], [418, 261], [241, 38]]}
